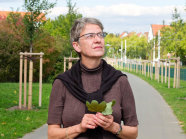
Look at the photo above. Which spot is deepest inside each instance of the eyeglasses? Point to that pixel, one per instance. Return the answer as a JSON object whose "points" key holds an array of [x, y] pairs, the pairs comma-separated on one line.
{"points": [[90, 36]]}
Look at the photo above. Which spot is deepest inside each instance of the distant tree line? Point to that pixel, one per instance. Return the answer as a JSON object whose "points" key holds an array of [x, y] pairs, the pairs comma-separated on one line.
{"points": [[137, 47]]}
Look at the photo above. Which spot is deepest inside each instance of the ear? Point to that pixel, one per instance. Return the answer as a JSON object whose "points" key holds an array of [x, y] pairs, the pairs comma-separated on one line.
{"points": [[76, 46]]}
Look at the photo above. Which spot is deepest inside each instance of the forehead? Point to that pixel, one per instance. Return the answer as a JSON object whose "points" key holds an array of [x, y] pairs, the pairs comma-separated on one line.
{"points": [[91, 28]]}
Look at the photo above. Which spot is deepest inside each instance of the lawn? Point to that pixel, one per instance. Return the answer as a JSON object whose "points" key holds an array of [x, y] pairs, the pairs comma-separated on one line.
{"points": [[15, 123], [175, 97]]}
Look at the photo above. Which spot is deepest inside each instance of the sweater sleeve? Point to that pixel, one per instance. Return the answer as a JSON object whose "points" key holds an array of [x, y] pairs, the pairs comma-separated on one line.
{"points": [[129, 116], [56, 104]]}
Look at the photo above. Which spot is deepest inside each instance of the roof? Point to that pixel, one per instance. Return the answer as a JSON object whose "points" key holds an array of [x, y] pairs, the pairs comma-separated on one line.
{"points": [[131, 33], [124, 34], [139, 34], [4, 14], [156, 28]]}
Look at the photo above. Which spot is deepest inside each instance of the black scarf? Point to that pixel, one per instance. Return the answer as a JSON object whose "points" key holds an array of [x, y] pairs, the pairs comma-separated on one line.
{"points": [[73, 82]]}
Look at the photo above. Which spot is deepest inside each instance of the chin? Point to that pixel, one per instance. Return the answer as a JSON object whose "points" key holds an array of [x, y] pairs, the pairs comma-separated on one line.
{"points": [[99, 54]]}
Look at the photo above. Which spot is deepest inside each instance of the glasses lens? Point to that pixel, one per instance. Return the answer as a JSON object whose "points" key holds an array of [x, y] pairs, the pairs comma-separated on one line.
{"points": [[93, 35], [100, 35], [90, 35]]}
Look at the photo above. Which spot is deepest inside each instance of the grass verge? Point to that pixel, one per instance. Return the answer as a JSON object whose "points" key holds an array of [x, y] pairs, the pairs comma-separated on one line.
{"points": [[16, 123], [175, 97]]}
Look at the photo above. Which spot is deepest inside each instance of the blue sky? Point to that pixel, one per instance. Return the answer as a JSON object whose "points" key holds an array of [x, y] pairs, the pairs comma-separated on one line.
{"points": [[116, 15]]}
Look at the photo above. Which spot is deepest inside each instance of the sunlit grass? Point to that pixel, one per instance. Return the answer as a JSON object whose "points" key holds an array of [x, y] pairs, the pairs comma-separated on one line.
{"points": [[15, 123]]}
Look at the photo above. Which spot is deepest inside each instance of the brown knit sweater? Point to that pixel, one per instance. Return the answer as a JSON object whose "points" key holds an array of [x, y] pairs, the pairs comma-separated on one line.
{"points": [[65, 109]]}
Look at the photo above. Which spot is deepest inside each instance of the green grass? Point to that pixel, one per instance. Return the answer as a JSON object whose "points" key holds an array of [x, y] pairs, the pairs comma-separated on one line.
{"points": [[175, 97], [16, 123]]}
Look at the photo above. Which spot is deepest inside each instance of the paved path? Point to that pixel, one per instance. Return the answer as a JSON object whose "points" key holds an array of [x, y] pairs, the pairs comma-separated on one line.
{"points": [[40, 133], [156, 119]]}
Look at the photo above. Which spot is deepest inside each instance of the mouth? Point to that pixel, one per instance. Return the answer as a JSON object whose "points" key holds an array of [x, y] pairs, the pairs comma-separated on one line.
{"points": [[98, 47]]}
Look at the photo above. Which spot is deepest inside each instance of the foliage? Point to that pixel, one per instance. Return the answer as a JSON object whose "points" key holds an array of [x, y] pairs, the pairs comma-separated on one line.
{"points": [[136, 46], [150, 47], [52, 38], [60, 30], [112, 44], [36, 10], [45, 43], [103, 107], [12, 42], [61, 26], [173, 38]]}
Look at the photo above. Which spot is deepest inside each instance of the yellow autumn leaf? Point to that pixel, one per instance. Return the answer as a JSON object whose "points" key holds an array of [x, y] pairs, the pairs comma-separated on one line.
{"points": [[3, 123], [15, 92], [28, 118]]}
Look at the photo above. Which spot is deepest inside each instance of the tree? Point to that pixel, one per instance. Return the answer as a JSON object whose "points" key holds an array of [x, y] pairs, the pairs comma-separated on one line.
{"points": [[113, 44], [60, 30], [12, 42], [35, 18], [12, 38], [173, 37], [45, 43], [61, 26], [137, 47]]}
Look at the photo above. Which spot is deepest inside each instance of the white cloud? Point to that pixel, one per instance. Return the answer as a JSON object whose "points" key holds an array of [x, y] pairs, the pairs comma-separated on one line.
{"points": [[120, 10], [122, 17], [128, 10], [56, 11]]}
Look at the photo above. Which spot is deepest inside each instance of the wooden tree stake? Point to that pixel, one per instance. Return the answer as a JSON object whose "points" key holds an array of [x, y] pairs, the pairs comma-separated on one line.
{"points": [[169, 75], [175, 66], [20, 80], [166, 71], [40, 79], [30, 85], [25, 81]]}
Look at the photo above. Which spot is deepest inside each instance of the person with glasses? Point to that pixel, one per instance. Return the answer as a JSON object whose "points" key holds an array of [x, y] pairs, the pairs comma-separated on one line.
{"points": [[91, 78]]}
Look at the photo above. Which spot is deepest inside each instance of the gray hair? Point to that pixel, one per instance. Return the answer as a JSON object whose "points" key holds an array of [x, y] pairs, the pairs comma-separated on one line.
{"points": [[79, 25]]}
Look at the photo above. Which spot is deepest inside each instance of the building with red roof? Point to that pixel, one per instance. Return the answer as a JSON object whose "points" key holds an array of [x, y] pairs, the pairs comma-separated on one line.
{"points": [[124, 34], [153, 32], [4, 14]]}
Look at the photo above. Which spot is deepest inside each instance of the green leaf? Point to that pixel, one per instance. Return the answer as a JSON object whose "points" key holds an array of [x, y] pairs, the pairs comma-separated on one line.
{"points": [[94, 106], [103, 107], [108, 110]]}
